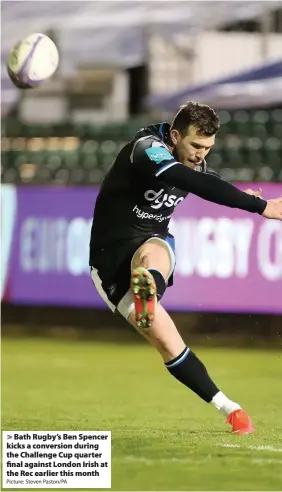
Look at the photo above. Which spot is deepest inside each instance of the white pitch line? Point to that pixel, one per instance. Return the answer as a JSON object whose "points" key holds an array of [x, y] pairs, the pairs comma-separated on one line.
{"points": [[154, 461], [253, 448], [265, 460], [229, 445]]}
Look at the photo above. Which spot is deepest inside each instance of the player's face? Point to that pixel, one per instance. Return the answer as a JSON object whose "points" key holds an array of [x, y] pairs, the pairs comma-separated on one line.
{"points": [[193, 148]]}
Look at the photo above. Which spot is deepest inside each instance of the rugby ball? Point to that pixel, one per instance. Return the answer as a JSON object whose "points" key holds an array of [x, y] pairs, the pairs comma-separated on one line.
{"points": [[32, 61]]}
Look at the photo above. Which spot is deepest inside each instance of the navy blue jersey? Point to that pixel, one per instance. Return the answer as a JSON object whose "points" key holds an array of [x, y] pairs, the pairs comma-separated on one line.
{"points": [[134, 200], [144, 185]]}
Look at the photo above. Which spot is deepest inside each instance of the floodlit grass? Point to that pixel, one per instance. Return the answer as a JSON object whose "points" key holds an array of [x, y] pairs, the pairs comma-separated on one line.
{"points": [[163, 436]]}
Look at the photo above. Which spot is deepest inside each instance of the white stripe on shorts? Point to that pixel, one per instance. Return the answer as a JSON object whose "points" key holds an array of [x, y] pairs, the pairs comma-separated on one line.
{"points": [[98, 284], [126, 304]]}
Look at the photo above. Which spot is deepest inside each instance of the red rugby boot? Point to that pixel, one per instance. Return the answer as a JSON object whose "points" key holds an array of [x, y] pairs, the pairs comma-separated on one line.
{"points": [[144, 290], [241, 422]]}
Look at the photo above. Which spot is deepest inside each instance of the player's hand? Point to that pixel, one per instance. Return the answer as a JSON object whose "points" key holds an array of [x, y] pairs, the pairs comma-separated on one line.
{"points": [[273, 209], [254, 193]]}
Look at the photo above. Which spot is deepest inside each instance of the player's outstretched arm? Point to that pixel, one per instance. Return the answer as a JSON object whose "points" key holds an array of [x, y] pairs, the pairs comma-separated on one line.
{"points": [[214, 189], [151, 157], [273, 209], [272, 205]]}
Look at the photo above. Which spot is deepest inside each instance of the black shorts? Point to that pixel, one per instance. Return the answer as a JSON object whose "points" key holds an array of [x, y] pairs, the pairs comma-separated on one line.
{"points": [[113, 265]]}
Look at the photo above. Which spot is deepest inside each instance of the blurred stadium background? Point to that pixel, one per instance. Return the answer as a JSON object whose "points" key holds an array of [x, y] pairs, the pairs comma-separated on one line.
{"points": [[125, 64], [121, 67]]}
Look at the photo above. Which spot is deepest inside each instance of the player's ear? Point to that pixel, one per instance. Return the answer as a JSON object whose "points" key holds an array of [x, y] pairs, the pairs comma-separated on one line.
{"points": [[174, 136]]}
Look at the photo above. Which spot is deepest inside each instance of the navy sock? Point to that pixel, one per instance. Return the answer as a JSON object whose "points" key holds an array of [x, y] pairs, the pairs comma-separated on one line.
{"points": [[189, 370], [159, 281]]}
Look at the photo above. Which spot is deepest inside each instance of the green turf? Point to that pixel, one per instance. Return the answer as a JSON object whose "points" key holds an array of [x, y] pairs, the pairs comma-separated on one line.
{"points": [[164, 437]]}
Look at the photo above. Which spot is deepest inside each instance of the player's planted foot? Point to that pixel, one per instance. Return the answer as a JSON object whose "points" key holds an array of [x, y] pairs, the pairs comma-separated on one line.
{"points": [[144, 291], [241, 422]]}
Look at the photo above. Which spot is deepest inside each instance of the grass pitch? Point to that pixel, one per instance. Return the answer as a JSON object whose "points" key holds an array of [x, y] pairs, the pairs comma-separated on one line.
{"points": [[163, 436]]}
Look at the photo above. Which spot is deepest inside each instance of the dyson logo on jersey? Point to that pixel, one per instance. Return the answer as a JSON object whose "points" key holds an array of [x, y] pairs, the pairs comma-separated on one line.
{"points": [[159, 198]]}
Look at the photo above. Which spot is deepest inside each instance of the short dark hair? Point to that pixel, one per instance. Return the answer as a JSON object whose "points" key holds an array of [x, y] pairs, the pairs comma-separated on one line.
{"points": [[200, 116]]}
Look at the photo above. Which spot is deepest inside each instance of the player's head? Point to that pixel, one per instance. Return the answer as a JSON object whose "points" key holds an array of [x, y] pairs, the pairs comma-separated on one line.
{"points": [[192, 133]]}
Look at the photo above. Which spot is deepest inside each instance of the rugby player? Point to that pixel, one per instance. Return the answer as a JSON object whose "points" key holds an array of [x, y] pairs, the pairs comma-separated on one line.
{"points": [[132, 253]]}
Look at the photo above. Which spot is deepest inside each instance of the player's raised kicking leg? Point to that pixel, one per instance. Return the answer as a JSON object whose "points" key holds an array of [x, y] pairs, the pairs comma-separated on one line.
{"points": [[151, 267]]}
